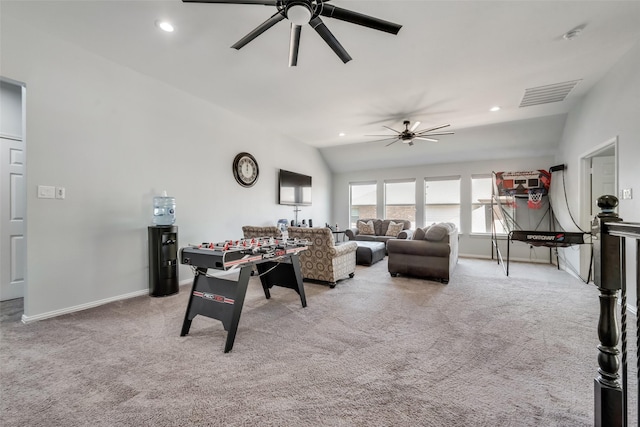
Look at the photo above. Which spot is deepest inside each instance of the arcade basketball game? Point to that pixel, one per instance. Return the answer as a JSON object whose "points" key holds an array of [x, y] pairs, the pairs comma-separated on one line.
{"points": [[520, 201]]}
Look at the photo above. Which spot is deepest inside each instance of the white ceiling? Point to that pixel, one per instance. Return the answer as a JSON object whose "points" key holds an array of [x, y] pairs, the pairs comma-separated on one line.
{"points": [[450, 62]]}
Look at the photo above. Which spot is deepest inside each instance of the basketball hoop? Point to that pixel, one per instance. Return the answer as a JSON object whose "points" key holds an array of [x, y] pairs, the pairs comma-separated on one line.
{"points": [[510, 198], [535, 199]]}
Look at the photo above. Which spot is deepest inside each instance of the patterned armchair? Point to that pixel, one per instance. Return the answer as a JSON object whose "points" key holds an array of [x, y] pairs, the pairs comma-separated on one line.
{"points": [[250, 232], [324, 261]]}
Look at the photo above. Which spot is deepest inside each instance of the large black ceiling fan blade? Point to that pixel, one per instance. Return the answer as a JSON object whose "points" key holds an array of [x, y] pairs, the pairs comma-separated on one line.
{"points": [[264, 2], [432, 129], [294, 44], [435, 134], [331, 11], [317, 24], [277, 17], [393, 130], [380, 140], [392, 142]]}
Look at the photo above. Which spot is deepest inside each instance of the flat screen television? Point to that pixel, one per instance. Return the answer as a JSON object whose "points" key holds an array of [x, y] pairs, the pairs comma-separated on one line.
{"points": [[294, 189]]}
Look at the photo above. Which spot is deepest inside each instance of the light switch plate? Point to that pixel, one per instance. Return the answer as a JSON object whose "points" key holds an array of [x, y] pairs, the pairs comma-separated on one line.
{"points": [[46, 192], [627, 193]]}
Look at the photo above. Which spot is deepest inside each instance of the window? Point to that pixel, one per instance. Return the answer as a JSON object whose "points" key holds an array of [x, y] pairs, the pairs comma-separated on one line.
{"points": [[400, 201], [442, 200], [481, 205], [362, 201]]}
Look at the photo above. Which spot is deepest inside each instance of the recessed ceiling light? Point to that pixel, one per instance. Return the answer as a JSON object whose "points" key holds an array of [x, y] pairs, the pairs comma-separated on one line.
{"points": [[341, 134], [165, 26], [494, 109]]}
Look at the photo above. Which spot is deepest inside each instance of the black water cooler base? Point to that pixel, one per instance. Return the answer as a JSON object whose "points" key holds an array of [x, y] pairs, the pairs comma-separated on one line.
{"points": [[163, 261], [164, 288]]}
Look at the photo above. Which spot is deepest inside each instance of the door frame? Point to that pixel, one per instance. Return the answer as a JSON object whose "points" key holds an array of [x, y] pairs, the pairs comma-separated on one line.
{"points": [[599, 150], [23, 90]]}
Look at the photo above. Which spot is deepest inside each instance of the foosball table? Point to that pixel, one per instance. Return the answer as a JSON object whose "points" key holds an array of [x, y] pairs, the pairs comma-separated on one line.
{"points": [[275, 260]]}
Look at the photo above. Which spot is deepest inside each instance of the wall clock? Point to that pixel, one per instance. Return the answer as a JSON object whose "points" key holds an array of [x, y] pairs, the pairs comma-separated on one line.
{"points": [[245, 169]]}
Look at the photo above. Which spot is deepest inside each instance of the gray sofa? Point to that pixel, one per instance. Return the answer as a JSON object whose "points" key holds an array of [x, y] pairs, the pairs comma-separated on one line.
{"points": [[380, 230], [431, 254]]}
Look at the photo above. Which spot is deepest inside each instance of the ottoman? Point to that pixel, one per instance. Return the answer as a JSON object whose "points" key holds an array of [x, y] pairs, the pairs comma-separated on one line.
{"points": [[368, 253]]}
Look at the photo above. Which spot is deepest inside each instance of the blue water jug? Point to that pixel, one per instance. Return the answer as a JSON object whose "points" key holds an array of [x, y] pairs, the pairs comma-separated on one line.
{"points": [[164, 210]]}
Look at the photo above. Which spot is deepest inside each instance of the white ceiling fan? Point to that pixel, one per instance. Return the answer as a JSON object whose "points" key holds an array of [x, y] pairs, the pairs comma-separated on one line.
{"points": [[409, 134]]}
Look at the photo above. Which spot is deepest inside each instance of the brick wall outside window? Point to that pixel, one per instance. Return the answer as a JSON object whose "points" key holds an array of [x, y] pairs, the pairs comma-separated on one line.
{"points": [[407, 212]]}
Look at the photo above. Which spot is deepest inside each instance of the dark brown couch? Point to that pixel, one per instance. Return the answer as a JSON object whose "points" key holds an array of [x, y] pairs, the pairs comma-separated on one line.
{"points": [[431, 254], [380, 228]]}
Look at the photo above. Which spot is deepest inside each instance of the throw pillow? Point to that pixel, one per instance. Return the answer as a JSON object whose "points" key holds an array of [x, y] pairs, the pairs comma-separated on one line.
{"points": [[366, 228], [419, 233], [394, 229], [436, 233]]}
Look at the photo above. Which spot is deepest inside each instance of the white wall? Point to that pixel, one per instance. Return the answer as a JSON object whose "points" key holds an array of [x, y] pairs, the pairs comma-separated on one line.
{"points": [[114, 139], [470, 245], [611, 109]]}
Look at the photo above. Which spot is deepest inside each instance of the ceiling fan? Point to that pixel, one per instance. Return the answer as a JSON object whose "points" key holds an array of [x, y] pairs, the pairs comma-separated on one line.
{"points": [[408, 135], [302, 12]]}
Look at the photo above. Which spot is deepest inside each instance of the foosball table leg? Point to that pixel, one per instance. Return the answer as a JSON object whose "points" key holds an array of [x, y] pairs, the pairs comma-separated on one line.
{"points": [[186, 325], [284, 274], [297, 272], [243, 283], [267, 293], [218, 298]]}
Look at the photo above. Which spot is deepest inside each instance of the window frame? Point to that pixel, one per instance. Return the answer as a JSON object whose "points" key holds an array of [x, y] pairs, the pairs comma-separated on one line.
{"points": [[415, 206], [363, 183], [459, 203], [473, 204]]}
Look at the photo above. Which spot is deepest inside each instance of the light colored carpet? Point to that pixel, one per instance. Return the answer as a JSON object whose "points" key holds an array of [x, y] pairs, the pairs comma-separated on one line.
{"points": [[484, 350]]}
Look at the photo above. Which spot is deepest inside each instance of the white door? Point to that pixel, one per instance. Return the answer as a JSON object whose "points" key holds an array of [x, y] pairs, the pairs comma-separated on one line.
{"points": [[12, 213], [603, 180]]}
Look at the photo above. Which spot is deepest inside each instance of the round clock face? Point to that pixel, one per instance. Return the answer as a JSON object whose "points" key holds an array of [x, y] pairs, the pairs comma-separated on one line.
{"points": [[245, 169]]}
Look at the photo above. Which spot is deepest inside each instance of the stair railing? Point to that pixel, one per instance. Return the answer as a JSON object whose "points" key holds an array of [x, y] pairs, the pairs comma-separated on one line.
{"points": [[609, 246]]}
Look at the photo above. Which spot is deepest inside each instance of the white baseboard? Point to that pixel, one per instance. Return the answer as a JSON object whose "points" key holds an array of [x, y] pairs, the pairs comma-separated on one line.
{"points": [[68, 310], [516, 259], [473, 256]]}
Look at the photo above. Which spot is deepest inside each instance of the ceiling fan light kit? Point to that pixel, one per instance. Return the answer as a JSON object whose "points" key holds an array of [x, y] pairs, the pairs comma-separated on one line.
{"points": [[303, 12], [298, 12]]}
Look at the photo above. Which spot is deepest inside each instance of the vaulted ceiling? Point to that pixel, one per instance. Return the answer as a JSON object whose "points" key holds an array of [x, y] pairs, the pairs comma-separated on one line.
{"points": [[450, 63]]}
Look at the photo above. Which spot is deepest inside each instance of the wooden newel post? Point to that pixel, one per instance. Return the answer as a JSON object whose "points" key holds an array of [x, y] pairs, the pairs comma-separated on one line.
{"points": [[607, 277]]}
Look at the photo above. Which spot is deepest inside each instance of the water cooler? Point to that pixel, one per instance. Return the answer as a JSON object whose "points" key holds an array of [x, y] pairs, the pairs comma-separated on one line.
{"points": [[163, 260]]}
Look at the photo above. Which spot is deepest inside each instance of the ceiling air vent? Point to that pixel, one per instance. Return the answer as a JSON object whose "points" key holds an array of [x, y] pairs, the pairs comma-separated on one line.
{"points": [[547, 94]]}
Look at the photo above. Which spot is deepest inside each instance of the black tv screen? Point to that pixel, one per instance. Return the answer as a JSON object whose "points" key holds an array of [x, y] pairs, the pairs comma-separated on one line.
{"points": [[295, 189]]}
